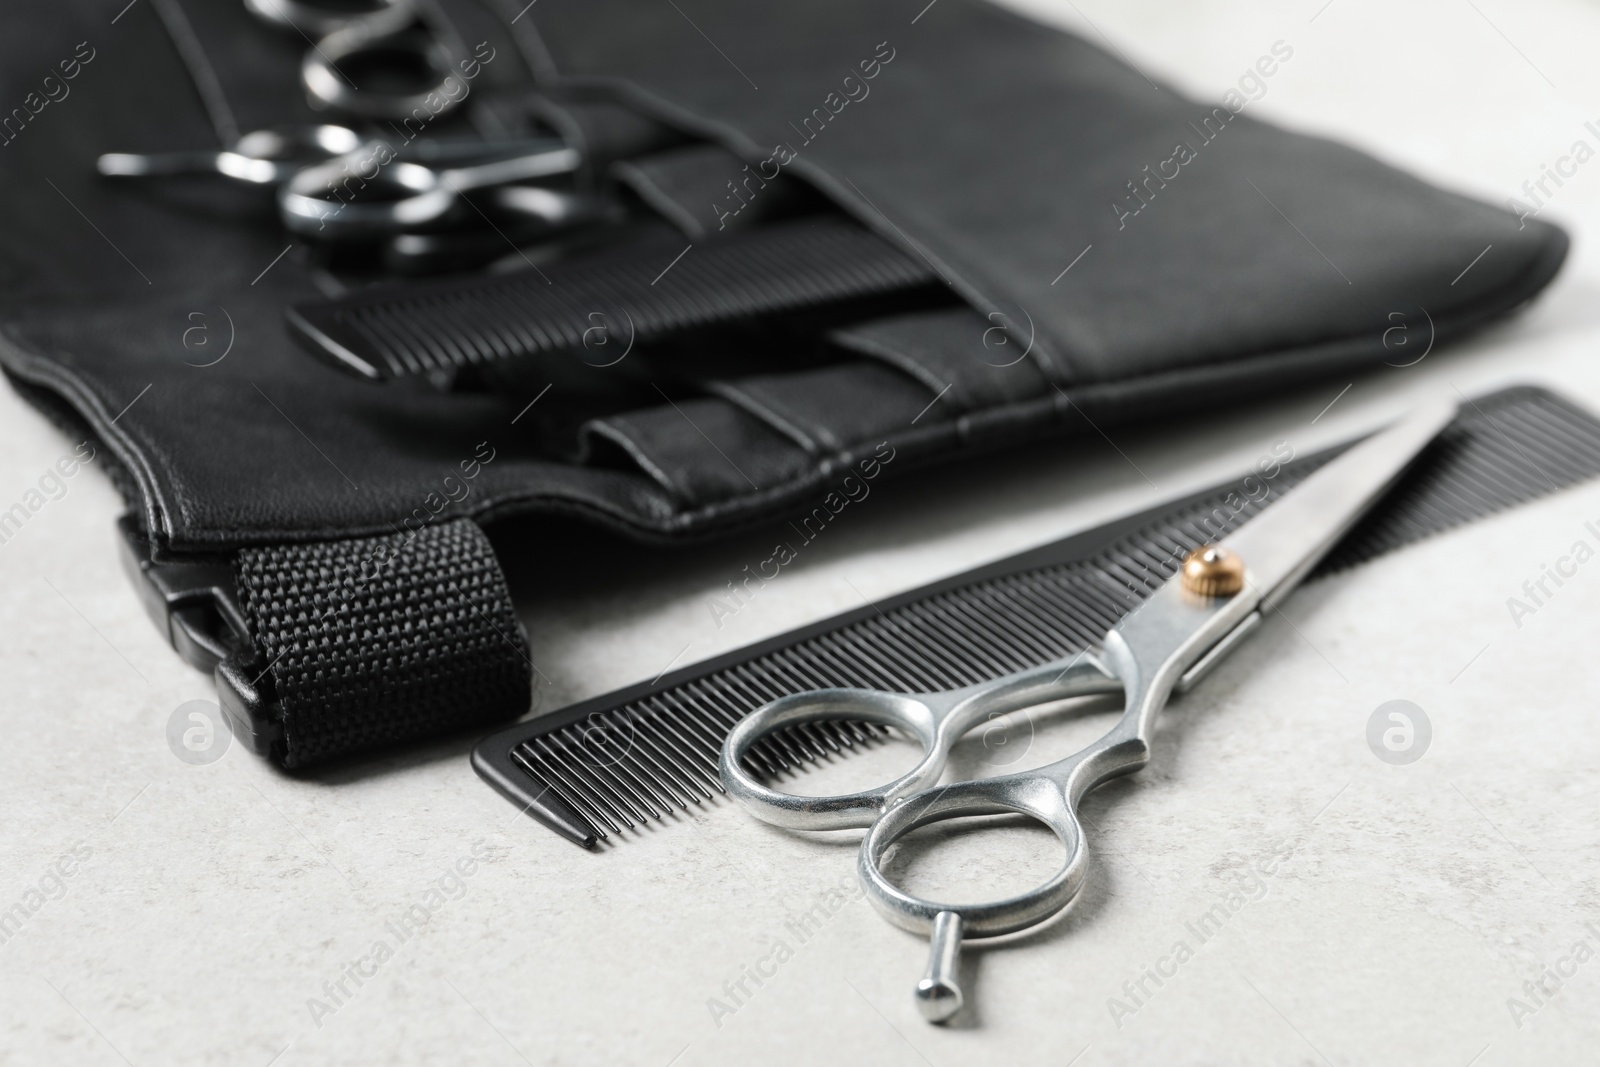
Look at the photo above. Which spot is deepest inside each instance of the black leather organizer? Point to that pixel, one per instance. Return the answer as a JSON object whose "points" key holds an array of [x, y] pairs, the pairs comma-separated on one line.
{"points": [[843, 227]]}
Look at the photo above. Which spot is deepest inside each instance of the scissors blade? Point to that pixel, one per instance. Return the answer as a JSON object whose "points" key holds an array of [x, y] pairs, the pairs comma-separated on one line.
{"points": [[1281, 545]]}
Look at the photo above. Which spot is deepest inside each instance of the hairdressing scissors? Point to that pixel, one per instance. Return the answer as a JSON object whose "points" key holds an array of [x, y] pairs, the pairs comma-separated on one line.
{"points": [[335, 185], [1165, 645], [372, 61]]}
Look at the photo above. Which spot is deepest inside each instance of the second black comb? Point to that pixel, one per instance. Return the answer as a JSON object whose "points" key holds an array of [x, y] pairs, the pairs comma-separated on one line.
{"points": [[641, 293]]}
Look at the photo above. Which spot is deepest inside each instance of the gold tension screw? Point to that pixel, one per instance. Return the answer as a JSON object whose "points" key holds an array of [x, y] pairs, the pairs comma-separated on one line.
{"points": [[1212, 570]]}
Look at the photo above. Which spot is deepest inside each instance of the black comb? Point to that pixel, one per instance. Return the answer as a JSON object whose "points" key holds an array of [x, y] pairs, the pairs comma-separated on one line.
{"points": [[624, 760], [641, 294]]}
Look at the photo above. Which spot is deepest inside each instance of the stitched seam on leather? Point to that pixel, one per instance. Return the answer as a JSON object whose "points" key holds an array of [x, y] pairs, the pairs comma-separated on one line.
{"points": [[649, 190], [876, 349], [619, 437], [761, 406]]}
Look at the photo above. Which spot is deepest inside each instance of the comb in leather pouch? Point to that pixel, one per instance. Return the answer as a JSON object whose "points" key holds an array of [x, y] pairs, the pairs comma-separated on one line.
{"points": [[567, 308], [1033, 227]]}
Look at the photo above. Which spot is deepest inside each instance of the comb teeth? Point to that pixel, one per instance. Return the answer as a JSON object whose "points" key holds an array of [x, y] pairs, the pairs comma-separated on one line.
{"points": [[624, 761], [656, 760], [640, 295]]}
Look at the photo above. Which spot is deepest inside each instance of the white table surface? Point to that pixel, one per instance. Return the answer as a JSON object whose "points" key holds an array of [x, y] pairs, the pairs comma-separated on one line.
{"points": [[216, 901]]}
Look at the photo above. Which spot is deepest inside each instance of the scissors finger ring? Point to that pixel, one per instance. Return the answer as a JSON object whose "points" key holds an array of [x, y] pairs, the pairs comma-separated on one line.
{"points": [[391, 76], [366, 195], [314, 19], [937, 720]]}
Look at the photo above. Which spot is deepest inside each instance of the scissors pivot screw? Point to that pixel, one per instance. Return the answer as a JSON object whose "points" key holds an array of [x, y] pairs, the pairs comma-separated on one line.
{"points": [[1212, 570]]}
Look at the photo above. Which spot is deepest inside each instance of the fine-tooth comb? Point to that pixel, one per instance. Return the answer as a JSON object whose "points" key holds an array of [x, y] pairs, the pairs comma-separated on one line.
{"points": [[639, 294], [620, 761]]}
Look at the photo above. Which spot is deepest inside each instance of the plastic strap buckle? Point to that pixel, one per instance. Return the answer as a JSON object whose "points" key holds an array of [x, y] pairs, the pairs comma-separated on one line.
{"points": [[195, 605]]}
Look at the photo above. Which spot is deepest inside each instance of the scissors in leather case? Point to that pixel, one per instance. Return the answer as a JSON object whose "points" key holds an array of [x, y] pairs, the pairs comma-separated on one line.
{"points": [[333, 184], [345, 183], [1164, 646]]}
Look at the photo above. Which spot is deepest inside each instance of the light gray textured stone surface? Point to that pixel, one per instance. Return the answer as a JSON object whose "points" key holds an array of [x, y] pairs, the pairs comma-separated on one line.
{"points": [[1406, 907]]}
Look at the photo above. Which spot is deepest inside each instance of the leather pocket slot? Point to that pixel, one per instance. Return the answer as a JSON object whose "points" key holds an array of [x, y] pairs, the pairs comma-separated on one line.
{"points": [[973, 362], [829, 409], [701, 451]]}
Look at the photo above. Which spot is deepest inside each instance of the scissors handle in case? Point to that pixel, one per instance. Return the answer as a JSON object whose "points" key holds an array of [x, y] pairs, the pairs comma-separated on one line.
{"points": [[334, 201], [1165, 645]]}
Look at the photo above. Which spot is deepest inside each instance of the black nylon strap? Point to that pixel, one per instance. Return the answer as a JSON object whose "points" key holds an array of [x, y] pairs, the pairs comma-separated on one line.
{"points": [[374, 641]]}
